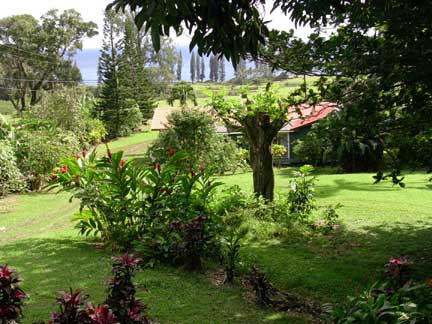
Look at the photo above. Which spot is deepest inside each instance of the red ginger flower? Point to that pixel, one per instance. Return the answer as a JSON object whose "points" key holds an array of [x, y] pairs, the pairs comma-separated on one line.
{"points": [[122, 162], [158, 166], [171, 152], [64, 169], [53, 176]]}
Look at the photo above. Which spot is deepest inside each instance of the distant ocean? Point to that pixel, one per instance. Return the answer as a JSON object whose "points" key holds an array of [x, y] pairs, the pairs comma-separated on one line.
{"points": [[87, 61]]}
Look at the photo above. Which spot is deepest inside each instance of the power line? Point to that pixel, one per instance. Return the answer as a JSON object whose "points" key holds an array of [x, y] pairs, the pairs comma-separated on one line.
{"points": [[48, 81]]}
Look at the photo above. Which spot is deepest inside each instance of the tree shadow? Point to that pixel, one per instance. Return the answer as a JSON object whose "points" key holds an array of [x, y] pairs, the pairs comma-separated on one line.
{"points": [[328, 268]]}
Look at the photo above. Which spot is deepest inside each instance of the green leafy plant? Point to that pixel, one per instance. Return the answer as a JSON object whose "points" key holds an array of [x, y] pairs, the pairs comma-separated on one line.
{"points": [[130, 205], [11, 179], [301, 194], [233, 234]]}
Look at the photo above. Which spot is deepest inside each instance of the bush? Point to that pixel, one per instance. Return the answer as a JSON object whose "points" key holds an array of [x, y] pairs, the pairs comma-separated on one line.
{"points": [[11, 179], [11, 296], [301, 196], [39, 151], [131, 119], [130, 205], [193, 132], [395, 300], [70, 109]]}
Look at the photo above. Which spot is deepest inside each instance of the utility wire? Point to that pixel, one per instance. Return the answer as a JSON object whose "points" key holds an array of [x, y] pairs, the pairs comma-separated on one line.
{"points": [[48, 81]]}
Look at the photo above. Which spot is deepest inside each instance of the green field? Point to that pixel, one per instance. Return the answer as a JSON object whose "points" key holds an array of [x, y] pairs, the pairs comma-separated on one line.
{"points": [[204, 90], [378, 221]]}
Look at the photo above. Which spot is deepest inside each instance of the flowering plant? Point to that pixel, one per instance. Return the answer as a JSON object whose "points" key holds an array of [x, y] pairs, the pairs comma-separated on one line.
{"points": [[11, 295]]}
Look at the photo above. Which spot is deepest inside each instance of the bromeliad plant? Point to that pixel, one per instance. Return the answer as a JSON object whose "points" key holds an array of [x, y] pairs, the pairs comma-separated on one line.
{"points": [[130, 205], [11, 296]]}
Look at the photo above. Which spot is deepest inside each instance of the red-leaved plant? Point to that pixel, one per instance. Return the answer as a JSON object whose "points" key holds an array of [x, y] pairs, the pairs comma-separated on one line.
{"points": [[11, 296], [73, 308], [121, 292], [397, 270]]}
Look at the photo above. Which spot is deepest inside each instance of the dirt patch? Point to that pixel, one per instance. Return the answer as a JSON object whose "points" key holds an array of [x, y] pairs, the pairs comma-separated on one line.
{"points": [[216, 277]]}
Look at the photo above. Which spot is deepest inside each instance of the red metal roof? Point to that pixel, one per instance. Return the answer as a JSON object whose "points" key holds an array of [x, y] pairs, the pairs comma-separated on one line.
{"points": [[309, 114]]}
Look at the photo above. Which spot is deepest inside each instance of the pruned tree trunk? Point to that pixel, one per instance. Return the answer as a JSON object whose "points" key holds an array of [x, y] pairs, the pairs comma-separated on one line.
{"points": [[262, 165]]}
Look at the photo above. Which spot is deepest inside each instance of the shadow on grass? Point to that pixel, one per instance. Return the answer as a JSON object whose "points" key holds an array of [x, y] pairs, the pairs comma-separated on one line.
{"points": [[328, 268], [173, 296]]}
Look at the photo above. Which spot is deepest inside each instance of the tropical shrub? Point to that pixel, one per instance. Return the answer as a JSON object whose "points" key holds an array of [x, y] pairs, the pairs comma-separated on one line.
{"points": [[193, 131], [301, 194], [11, 179], [72, 308], [278, 151], [121, 292], [70, 109], [131, 205], [39, 151], [394, 300], [11, 296], [181, 91]]}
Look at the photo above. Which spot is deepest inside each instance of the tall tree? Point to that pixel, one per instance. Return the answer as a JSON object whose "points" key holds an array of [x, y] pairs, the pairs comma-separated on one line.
{"points": [[192, 67], [134, 80], [35, 55], [179, 66], [221, 70], [260, 118], [198, 67], [202, 75], [240, 72]]}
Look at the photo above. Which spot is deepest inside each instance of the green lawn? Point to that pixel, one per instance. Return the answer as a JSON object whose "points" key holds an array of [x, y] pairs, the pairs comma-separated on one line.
{"points": [[379, 221]]}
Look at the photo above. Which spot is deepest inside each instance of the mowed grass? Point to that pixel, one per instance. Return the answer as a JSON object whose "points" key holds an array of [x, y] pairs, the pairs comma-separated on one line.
{"points": [[378, 221], [204, 90]]}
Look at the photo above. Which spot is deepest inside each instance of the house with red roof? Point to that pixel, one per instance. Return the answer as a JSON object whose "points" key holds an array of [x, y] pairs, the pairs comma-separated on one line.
{"points": [[301, 120]]}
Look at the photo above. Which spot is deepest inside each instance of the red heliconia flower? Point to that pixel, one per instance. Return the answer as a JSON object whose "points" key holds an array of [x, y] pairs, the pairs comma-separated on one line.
{"points": [[171, 152], [5, 272], [64, 169], [122, 162], [158, 166], [53, 176], [128, 260]]}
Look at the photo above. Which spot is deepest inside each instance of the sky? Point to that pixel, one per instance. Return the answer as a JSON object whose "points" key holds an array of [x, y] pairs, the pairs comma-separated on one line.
{"points": [[93, 10]]}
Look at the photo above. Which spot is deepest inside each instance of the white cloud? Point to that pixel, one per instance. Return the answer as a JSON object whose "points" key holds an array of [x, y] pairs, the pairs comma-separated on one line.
{"points": [[93, 10]]}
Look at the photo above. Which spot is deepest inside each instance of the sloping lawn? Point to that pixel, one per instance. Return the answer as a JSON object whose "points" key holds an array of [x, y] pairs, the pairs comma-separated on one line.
{"points": [[378, 221]]}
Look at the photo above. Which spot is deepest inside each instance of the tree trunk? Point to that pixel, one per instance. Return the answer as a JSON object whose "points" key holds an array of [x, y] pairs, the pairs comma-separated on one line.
{"points": [[262, 166]]}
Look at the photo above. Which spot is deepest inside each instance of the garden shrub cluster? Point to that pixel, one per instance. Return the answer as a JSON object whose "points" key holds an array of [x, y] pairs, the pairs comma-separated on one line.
{"points": [[193, 131], [162, 211], [61, 125], [120, 306]]}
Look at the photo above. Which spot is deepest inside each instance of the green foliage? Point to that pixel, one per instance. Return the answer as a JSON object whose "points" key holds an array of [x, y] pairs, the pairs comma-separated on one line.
{"points": [[242, 32], [126, 96], [45, 48], [234, 232], [381, 304], [11, 179], [260, 118], [70, 109], [126, 204], [301, 196], [39, 147], [278, 151], [193, 131], [181, 91]]}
